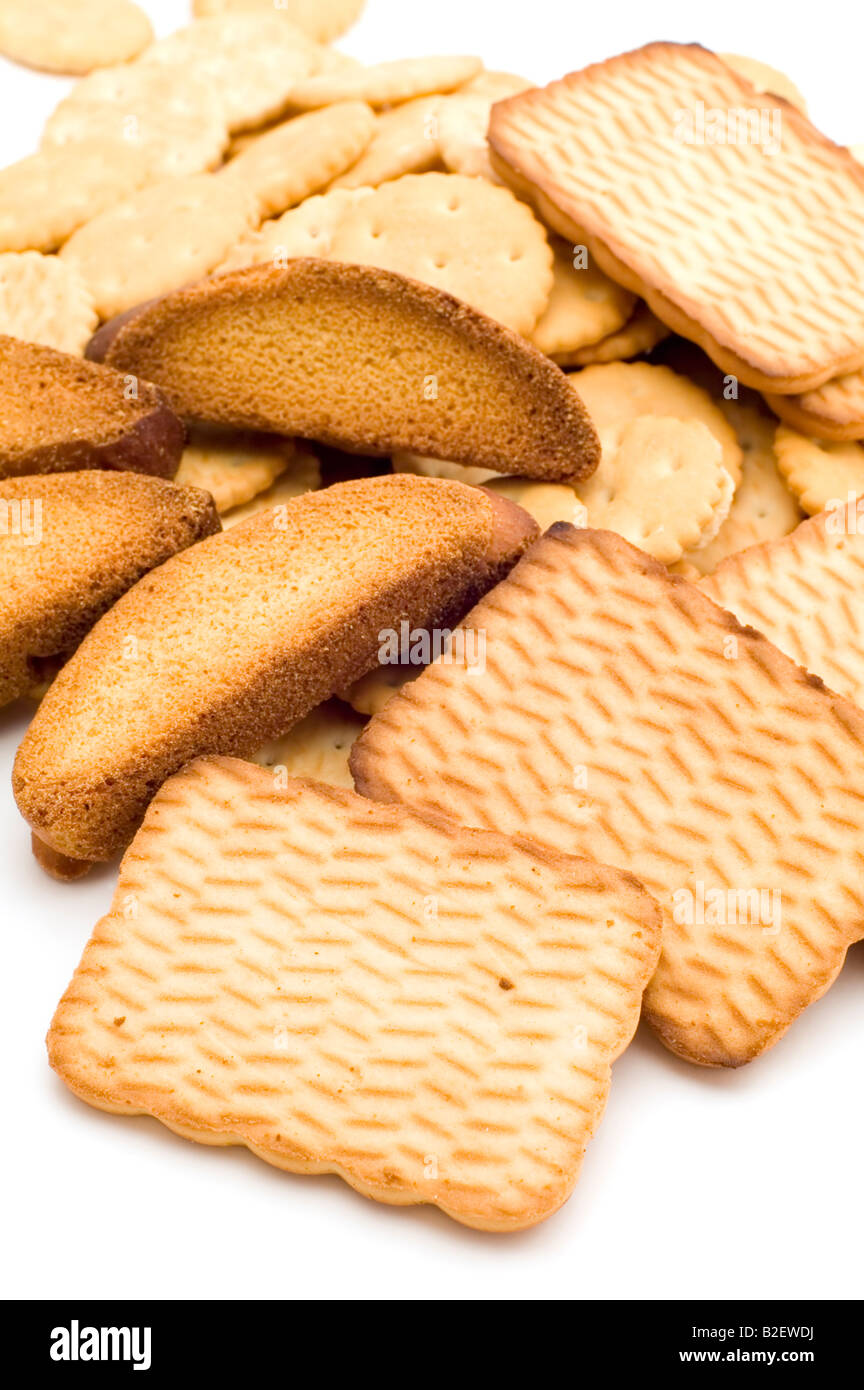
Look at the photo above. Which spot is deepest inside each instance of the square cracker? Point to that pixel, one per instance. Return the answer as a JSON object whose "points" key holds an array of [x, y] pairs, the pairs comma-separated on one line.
{"points": [[756, 253], [428, 1011], [623, 715]]}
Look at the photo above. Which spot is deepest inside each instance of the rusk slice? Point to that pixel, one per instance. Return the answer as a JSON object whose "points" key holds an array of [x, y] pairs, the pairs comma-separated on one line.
{"points": [[804, 593], [753, 247], [428, 1011], [230, 644], [620, 711], [360, 358], [70, 545], [60, 414]]}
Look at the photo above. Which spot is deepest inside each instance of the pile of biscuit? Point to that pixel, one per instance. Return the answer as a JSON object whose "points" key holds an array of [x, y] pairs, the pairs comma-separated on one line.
{"points": [[429, 524]]}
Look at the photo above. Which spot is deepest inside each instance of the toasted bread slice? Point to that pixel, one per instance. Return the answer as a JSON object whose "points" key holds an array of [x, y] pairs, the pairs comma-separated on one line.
{"points": [[357, 357], [70, 545], [59, 414], [231, 643]]}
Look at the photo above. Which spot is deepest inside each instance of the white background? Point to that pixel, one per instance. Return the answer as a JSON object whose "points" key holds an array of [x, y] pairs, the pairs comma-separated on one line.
{"points": [[699, 1184]]}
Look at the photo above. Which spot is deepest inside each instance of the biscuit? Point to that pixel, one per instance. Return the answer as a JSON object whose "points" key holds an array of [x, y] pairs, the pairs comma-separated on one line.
{"points": [[355, 356], [47, 196], [302, 155], [834, 411], [404, 462], [322, 20], [386, 84], [43, 300], [641, 333], [61, 414], [661, 485], [306, 230], [460, 234], [164, 116], [617, 393], [72, 36], [498, 85], [463, 121], [159, 239], [317, 747], [621, 711], [251, 61], [802, 592], [819, 474], [584, 306], [428, 1011], [231, 644], [405, 142], [755, 253], [370, 694], [70, 545], [303, 474], [233, 467], [765, 78]]}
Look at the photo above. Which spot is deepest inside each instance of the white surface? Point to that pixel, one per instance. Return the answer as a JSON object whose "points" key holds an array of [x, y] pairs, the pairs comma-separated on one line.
{"points": [[699, 1184]]}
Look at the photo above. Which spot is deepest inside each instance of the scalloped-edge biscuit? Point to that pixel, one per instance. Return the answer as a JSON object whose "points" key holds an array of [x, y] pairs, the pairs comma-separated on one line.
{"points": [[817, 472], [470, 993], [835, 411], [302, 474], [233, 467], [405, 142], [387, 84], [72, 36], [318, 747], [304, 231], [44, 300], [641, 333], [584, 307]]}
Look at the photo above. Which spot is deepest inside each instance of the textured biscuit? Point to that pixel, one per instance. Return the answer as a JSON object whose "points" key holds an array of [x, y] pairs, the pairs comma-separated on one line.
{"points": [[584, 306], [386, 84], [60, 414], [765, 78], [302, 155], [96, 534], [47, 196], [834, 411], [159, 239], [818, 473], [803, 592], [303, 474], [233, 467], [427, 1011], [164, 115], [43, 300], [229, 645], [251, 61], [317, 747], [72, 36], [460, 234], [405, 142], [355, 356], [322, 20], [303, 231], [756, 254], [621, 711], [641, 333]]}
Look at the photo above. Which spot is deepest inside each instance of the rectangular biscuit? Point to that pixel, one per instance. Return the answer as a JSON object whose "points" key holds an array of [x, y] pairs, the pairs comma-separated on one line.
{"points": [[623, 715], [429, 1012], [740, 223]]}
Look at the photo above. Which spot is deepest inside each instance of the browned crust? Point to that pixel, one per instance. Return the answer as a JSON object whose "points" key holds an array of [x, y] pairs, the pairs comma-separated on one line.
{"points": [[556, 437], [58, 865], [150, 441]]}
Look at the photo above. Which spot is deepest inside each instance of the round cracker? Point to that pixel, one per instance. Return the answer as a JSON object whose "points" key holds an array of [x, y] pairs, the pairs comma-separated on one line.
{"points": [[497, 85], [462, 125], [174, 117], [617, 393], [233, 466], [370, 694], [765, 78], [303, 474], [160, 239], [463, 235], [44, 300], [584, 307], [322, 20], [306, 230], [72, 36], [818, 473], [318, 747], [642, 332], [387, 84], [404, 462], [300, 156], [250, 60], [405, 142]]}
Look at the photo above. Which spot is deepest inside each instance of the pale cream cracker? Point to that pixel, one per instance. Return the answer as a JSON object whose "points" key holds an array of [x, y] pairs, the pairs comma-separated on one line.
{"points": [[405, 462], [306, 230], [317, 747], [322, 20], [387, 84], [765, 78], [72, 36], [405, 142], [303, 474], [233, 466], [819, 473], [44, 300], [584, 305], [642, 332]]}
